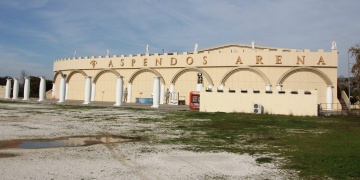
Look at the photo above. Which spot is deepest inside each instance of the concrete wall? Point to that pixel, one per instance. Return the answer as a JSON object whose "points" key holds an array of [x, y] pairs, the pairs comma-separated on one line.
{"points": [[345, 98], [48, 94], [2, 91], [300, 104]]}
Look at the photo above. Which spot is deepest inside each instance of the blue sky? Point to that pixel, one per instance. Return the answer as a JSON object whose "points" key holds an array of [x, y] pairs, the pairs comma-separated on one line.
{"points": [[34, 33]]}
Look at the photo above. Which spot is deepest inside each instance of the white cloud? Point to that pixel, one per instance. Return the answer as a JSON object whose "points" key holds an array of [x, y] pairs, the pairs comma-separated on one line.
{"points": [[126, 27], [14, 60]]}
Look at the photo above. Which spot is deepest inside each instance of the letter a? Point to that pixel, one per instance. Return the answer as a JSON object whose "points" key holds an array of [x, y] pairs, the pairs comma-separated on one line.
{"points": [[110, 64], [321, 60], [239, 61]]}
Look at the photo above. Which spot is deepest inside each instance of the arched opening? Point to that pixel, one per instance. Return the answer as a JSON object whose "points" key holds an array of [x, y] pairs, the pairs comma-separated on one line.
{"points": [[57, 73], [192, 69], [188, 76], [75, 72], [305, 69], [76, 85], [105, 82], [245, 77], [142, 83], [105, 71], [294, 79], [56, 81], [140, 71]]}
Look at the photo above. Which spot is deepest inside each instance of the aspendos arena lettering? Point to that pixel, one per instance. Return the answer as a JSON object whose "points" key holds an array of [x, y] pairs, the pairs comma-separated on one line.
{"points": [[264, 73]]}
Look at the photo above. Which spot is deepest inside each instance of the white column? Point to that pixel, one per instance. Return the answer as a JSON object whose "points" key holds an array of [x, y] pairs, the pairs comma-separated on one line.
{"points": [[42, 89], [93, 88], [62, 89], [221, 87], [172, 90], [129, 93], [87, 95], [198, 87], [8, 88], [279, 87], [162, 94], [26, 88], [66, 90], [156, 92], [119, 91], [329, 98], [210, 87], [16, 88], [53, 91], [268, 87]]}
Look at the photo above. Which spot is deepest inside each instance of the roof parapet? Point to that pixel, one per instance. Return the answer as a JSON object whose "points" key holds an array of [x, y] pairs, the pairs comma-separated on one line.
{"points": [[204, 51]]}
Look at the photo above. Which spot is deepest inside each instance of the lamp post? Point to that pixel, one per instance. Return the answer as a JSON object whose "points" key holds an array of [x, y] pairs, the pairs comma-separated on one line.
{"points": [[349, 79], [199, 82], [200, 78]]}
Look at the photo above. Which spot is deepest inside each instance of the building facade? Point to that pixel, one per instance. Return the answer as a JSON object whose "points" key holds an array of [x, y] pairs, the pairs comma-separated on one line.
{"points": [[226, 67]]}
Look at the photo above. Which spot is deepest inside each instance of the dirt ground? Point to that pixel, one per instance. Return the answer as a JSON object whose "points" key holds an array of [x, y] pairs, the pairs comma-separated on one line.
{"points": [[127, 160]]}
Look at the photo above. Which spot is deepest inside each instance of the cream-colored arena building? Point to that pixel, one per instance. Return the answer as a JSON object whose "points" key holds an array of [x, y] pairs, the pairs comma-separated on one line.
{"points": [[227, 67]]}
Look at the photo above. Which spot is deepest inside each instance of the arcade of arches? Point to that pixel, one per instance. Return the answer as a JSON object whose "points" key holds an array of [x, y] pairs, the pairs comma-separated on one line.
{"points": [[228, 67]]}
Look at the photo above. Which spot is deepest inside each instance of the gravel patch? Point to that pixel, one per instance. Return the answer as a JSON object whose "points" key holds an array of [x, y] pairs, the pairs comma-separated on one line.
{"points": [[129, 160]]}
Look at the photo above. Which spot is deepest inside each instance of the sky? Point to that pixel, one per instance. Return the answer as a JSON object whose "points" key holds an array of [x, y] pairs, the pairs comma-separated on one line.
{"points": [[34, 33]]}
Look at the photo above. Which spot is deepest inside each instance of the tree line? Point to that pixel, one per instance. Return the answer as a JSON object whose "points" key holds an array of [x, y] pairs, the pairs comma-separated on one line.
{"points": [[355, 70], [34, 84]]}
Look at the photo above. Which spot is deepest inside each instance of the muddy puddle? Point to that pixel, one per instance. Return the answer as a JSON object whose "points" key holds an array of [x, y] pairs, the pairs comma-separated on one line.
{"points": [[64, 142]]}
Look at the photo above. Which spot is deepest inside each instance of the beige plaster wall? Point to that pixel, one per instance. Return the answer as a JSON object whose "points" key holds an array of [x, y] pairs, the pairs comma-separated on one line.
{"points": [[216, 62], [48, 94], [76, 87], [2, 91], [275, 103], [105, 87], [205, 59]]}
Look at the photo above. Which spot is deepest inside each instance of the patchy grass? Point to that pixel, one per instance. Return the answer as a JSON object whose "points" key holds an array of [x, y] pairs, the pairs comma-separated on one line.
{"points": [[110, 118], [7, 155], [76, 107], [133, 109], [263, 160], [12, 102], [317, 147], [148, 120], [35, 112]]}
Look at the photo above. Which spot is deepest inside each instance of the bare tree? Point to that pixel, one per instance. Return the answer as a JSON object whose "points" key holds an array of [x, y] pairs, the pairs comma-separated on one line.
{"points": [[355, 52], [23, 74]]}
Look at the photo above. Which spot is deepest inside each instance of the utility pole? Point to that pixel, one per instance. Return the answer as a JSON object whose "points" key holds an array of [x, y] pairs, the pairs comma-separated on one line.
{"points": [[349, 80]]}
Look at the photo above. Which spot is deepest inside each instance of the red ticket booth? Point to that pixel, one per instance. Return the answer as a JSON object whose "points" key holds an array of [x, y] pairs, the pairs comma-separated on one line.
{"points": [[194, 100]]}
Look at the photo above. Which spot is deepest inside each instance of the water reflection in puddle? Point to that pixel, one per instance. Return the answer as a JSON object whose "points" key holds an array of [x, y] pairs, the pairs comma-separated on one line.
{"points": [[64, 142]]}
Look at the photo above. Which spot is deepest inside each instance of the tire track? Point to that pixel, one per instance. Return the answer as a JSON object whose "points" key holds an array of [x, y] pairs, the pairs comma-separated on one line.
{"points": [[129, 162]]}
